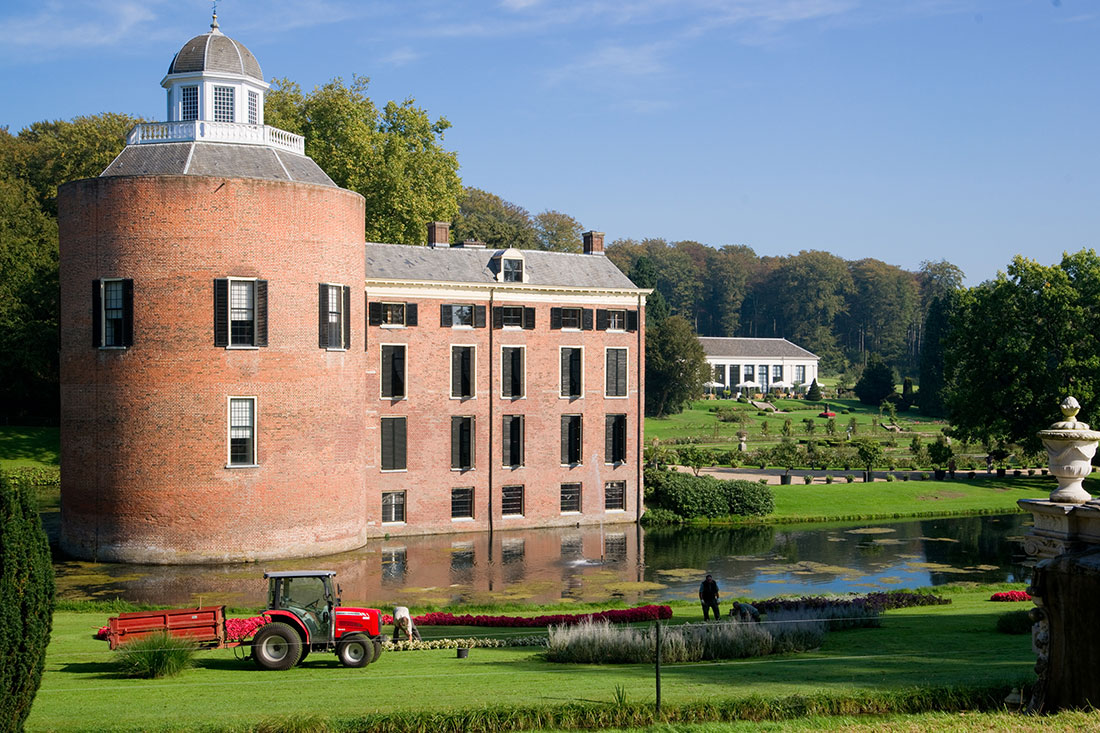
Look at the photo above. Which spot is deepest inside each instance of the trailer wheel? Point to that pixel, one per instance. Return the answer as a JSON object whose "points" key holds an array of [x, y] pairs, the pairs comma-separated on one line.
{"points": [[355, 650], [276, 646]]}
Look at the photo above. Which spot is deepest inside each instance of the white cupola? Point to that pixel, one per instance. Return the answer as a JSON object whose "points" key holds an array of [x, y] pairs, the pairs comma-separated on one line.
{"points": [[215, 79]]}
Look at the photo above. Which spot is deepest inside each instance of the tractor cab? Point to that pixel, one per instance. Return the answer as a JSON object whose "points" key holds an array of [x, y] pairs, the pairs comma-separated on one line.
{"points": [[308, 594]]}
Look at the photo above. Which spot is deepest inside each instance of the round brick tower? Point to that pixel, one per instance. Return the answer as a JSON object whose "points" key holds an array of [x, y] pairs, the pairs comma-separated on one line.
{"points": [[212, 354]]}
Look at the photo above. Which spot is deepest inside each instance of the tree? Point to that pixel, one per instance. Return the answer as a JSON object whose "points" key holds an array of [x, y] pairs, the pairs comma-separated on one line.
{"points": [[487, 217], [644, 275], [557, 232], [869, 453], [876, 383], [696, 457], [787, 454], [936, 332], [1019, 344], [393, 158], [813, 394], [883, 305], [26, 597], [676, 367]]}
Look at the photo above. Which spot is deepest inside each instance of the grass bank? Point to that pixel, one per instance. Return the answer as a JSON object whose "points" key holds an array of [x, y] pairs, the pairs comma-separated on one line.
{"points": [[25, 446], [918, 660]]}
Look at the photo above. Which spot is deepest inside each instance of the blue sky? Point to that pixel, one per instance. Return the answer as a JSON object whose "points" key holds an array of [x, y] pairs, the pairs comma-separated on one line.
{"points": [[904, 130]]}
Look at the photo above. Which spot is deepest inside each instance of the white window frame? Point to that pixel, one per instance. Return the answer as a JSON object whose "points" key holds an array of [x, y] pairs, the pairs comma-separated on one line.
{"points": [[626, 394], [393, 470], [404, 314], [404, 376], [607, 460], [338, 288], [522, 269], [507, 327], [253, 107], [621, 312], [473, 369], [522, 347], [580, 448], [580, 318], [404, 508], [103, 312], [232, 102], [229, 312], [522, 443], [580, 395], [473, 315], [183, 102], [229, 431]]}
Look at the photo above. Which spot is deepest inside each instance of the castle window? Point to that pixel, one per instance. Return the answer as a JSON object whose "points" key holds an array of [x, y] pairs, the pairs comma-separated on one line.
{"points": [[462, 315], [571, 363], [393, 507], [242, 431], [240, 312], [570, 498], [394, 441], [512, 269], [463, 360], [393, 315], [575, 319], [462, 443], [511, 501], [462, 503], [512, 441], [333, 325], [393, 371], [189, 103], [223, 104], [571, 318], [615, 373], [615, 439], [614, 496], [511, 372], [571, 445], [610, 320], [253, 107], [513, 316], [113, 313]]}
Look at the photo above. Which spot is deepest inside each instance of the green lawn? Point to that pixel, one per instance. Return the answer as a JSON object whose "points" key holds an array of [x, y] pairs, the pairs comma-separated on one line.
{"points": [[23, 446], [920, 647]]}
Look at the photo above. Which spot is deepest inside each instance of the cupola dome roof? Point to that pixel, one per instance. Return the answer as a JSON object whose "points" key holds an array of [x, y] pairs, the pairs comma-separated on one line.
{"points": [[215, 52]]}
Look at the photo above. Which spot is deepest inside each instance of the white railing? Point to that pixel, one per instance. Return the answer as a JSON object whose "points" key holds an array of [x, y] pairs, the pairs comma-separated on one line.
{"points": [[219, 132]]}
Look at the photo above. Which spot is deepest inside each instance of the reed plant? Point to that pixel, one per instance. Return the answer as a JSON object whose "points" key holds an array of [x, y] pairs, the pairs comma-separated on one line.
{"points": [[154, 656]]}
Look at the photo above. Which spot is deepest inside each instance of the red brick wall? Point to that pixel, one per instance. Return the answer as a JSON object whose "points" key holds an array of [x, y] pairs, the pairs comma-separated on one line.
{"points": [[428, 407], [144, 430]]}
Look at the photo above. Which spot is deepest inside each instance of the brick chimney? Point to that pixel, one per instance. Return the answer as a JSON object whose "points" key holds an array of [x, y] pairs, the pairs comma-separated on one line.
{"points": [[439, 234], [593, 243]]}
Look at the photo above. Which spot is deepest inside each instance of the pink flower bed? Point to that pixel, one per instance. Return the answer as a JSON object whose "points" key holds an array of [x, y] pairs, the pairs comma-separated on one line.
{"points": [[617, 616], [1010, 595]]}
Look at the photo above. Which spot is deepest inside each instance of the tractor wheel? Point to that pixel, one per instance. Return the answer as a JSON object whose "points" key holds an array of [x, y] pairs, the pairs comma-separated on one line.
{"points": [[276, 646], [355, 650], [377, 648]]}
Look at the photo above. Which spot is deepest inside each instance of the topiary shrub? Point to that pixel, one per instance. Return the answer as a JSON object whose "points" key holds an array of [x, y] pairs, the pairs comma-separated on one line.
{"points": [[745, 498], [814, 392], [687, 496], [26, 598]]}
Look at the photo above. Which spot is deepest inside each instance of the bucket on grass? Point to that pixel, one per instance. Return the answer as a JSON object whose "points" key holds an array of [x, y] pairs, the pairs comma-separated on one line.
{"points": [[463, 652]]}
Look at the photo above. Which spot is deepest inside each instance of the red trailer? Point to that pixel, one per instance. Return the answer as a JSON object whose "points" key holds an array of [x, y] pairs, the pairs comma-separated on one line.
{"points": [[303, 615]]}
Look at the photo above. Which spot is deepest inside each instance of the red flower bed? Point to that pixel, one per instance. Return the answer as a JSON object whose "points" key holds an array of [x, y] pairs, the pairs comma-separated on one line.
{"points": [[242, 628], [617, 616], [826, 414], [1010, 596]]}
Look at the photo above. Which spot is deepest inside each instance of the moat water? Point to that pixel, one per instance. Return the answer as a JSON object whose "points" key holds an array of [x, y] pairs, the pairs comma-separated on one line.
{"points": [[613, 561]]}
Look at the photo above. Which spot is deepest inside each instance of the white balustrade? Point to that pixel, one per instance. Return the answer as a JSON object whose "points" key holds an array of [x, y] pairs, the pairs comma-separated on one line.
{"points": [[219, 132]]}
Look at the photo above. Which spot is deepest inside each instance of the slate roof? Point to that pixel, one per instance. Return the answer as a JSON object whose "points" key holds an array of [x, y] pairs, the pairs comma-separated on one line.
{"points": [[741, 348], [215, 51], [474, 265], [216, 159]]}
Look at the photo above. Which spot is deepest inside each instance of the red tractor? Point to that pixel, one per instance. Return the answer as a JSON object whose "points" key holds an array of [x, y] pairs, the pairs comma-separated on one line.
{"points": [[303, 615]]}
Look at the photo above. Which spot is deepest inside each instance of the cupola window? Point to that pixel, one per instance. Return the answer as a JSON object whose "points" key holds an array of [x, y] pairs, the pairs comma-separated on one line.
{"points": [[253, 108], [223, 104], [189, 103]]}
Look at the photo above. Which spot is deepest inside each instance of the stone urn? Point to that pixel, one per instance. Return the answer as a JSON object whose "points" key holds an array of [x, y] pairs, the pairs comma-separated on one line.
{"points": [[1070, 447]]}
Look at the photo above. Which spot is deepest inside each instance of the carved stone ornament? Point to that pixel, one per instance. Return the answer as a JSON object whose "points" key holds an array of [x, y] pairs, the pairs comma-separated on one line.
{"points": [[1070, 447]]}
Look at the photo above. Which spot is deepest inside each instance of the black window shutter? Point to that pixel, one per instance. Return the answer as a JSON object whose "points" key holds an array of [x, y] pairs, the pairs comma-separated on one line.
{"points": [[609, 439], [498, 316], [387, 371], [347, 317], [506, 447], [555, 319], [575, 372], [620, 373], [507, 364], [221, 312], [456, 442], [387, 443], [97, 313], [410, 314], [456, 371], [565, 438], [445, 319], [127, 312], [400, 441], [374, 314], [469, 423], [517, 373], [632, 320], [398, 371], [322, 316], [602, 319], [565, 372], [517, 434], [261, 312], [575, 448], [611, 372], [586, 319], [479, 316], [529, 318]]}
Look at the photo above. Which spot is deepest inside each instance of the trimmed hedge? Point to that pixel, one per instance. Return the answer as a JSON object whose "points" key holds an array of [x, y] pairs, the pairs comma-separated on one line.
{"points": [[704, 496], [26, 597]]}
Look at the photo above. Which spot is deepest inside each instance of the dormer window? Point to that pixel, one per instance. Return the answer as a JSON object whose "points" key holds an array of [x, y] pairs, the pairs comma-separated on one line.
{"points": [[512, 270], [223, 104], [189, 103]]}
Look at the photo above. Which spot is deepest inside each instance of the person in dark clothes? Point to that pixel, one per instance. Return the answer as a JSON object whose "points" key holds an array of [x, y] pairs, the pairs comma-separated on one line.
{"points": [[708, 596], [744, 612]]}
